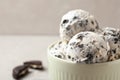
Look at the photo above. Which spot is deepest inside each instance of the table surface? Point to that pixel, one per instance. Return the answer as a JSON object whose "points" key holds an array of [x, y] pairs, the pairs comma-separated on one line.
{"points": [[14, 50]]}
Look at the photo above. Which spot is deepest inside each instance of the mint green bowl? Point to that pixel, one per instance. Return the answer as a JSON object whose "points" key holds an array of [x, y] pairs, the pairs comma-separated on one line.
{"points": [[60, 69]]}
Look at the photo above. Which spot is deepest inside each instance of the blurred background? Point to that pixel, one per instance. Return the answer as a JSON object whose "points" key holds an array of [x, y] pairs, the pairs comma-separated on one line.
{"points": [[42, 17]]}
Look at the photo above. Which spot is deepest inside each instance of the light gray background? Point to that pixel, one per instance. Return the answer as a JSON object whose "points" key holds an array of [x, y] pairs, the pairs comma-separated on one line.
{"points": [[43, 16]]}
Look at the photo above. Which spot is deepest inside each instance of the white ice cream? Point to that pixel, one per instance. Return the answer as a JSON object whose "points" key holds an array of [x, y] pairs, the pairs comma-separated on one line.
{"points": [[87, 47], [76, 21], [112, 35]]}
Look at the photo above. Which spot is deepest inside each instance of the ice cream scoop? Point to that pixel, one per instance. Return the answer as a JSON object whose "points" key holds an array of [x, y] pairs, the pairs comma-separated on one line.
{"points": [[87, 47], [112, 35], [76, 21]]}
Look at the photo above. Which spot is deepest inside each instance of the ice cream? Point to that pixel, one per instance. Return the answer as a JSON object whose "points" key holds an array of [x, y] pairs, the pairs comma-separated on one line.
{"points": [[83, 41], [87, 47], [112, 35], [76, 21], [58, 49]]}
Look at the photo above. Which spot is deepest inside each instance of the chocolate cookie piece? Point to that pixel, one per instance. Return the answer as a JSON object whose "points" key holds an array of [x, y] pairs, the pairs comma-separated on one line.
{"points": [[35, 64], [20, 71]]}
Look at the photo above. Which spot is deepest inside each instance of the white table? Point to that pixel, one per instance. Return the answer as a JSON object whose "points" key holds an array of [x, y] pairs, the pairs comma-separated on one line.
{"points": [[14, 50]]}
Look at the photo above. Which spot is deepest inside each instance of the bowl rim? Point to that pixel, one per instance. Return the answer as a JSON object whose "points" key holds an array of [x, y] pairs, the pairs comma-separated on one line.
{"points": [[69, 62]]}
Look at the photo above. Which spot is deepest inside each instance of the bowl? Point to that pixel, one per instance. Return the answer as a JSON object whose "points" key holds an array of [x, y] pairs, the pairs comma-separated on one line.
{"points": [[60, 69]]}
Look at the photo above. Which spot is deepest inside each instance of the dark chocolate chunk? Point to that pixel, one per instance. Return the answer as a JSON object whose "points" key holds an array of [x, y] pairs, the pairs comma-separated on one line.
{"points": [[104, 34], [92, 22], [80, 46], [113, 34], [94, 42], [69, 57], [81, 24], [59, 56], [86, 33], [77, 61], [116, 40], [118, 46], [114, 51], [20, 71], [71, 48], [55, 48], [55, 55], [68, 28], [75, 17], [60, 42], [96, 56], [97, 27], [86, 21], [73, 59], [65, 21], [36, 64], [89, 56], [80, 37], [102, 46]]}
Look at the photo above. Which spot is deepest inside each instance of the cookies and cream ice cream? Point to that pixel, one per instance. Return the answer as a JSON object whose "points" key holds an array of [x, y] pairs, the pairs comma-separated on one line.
{"points": [[76, 21], [112, 35], [87, 47], [83, 41]]}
